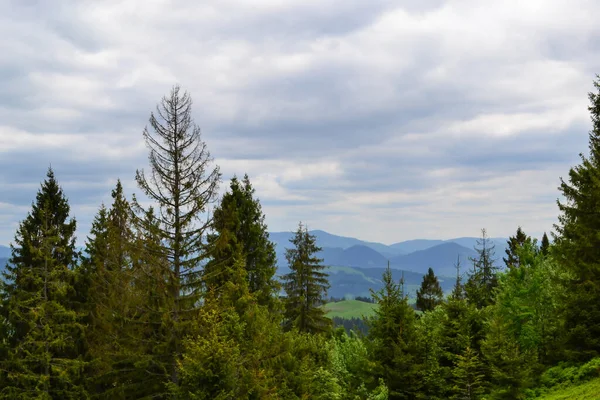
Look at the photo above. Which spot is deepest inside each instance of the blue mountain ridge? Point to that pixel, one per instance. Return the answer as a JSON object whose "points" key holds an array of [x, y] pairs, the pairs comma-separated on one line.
{"points": [[412, 255]]}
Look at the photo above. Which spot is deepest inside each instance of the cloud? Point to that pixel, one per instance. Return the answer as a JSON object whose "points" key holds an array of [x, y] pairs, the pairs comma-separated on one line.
{"points": [[385, 120]]}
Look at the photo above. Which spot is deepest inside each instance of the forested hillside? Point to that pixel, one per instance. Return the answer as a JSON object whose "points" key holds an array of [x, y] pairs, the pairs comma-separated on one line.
{"points": [[177, 297]]}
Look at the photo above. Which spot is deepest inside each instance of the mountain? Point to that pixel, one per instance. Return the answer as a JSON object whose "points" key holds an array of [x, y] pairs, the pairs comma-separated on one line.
{"points": [[353, 281], [410, 246], [325, 239], [3, 262], [471, 242], [4, 252], [361, 256], [440, 258]]}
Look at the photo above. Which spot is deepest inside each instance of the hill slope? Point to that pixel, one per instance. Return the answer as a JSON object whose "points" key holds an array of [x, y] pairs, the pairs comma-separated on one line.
{"points": [[441, 258], [350, 309], [587, 391], [4, 251], [410, 246]]}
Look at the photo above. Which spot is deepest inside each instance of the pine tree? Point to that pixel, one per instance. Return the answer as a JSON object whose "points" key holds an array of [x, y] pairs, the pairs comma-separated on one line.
{"points": [[184, 185], [393, 347], [239, 222], [545, 246], [483, 279], [39, 300], [305, 286], [430, 294], [514, 242], [577, 244]]}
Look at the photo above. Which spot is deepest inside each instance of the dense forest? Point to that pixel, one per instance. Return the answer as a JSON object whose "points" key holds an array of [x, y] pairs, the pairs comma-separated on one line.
{"points": [[181, 299]]}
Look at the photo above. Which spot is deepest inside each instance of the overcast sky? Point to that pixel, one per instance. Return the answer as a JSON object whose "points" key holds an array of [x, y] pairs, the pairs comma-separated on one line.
{"points": [[382, 120]]}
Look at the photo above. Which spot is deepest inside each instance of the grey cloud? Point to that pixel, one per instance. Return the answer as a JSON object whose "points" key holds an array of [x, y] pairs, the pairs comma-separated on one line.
{"points": [[380, 102]]}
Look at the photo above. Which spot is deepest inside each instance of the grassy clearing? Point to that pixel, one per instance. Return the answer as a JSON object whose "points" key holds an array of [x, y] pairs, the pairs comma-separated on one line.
{"points": [[587, 391], [350, 309]]}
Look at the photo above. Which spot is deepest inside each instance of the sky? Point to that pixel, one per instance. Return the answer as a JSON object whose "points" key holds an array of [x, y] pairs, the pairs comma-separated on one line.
{"points": [[381, 120]]}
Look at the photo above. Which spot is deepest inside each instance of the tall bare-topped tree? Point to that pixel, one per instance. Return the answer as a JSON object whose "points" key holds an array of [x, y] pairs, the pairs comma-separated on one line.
{"points": [[183, 181]]}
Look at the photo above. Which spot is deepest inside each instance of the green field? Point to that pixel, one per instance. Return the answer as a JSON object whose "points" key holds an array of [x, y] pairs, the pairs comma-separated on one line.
{"points": [[350, 309], [588, 391]]}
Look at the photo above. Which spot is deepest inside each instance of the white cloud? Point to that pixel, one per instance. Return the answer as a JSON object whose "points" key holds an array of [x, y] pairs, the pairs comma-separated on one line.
{"points": [[388, 121]]}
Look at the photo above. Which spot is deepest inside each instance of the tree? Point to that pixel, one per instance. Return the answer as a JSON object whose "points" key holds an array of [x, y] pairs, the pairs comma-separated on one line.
{"points": [[483, 279], [458, 291], [468, 379], [38, 294], [430, 294], [306, 285], [108, 270], [393, 348], [239, 222], [545, 246], [577, 244], [183, 184], [512, 260]]}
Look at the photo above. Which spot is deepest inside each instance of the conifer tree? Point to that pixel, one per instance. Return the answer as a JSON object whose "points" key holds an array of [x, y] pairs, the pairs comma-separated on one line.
{"points": [[392, 340], [306, 285], [469, 380], [577, 244], [108, 267], [510, 364], [514, 242], [39, 303], [430, 294], [239, 222], [458, 291], [483, 279], [184, 185], [545, 246]]}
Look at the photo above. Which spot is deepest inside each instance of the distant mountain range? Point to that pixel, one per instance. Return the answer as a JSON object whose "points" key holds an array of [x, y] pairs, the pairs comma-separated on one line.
{"points": [[411, 255], [4, 251], [355, 266]]}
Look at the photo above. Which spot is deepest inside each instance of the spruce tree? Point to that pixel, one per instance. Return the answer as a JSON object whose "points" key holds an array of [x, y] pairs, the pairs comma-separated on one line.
{"points": [[458, 291], [393, 346], [430, 294], [514, 242], [305, 286], [545, 246], [483, 279], [577, 243], [39, 303], [240, 225], [184, 185], [469, 380], [108, 267]]}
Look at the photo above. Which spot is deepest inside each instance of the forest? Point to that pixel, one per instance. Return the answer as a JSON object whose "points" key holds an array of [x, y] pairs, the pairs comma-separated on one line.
{"points": [[181, 299]]}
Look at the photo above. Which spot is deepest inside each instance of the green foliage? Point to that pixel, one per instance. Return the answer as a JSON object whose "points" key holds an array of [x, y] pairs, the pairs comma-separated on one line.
{"points": [[577, 244], [239, 222], [306, 285], [482, 280], [392, 341], [545, 246], [468, 378], [430, 328], [585, 391], [514, 242], [43, 349], [430, 294]]}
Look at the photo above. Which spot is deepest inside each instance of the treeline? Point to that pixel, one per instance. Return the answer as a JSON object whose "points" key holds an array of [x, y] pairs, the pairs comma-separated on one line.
{"points": [[180, 300]]}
